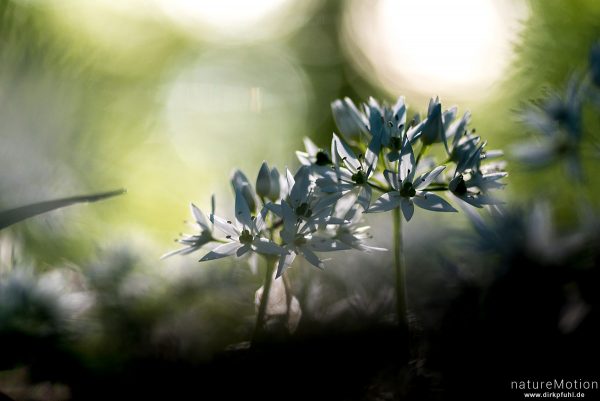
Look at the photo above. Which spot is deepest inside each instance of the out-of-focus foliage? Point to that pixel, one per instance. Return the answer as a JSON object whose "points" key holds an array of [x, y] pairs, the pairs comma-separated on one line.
{"points": [[554, 44]]}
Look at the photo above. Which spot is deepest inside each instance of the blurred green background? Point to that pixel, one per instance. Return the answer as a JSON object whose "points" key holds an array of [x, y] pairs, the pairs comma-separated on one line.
{"points": [[165, 98]]}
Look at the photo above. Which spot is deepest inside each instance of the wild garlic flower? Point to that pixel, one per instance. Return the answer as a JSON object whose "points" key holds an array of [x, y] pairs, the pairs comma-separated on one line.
{"points": [[354, 233], [352, 173], [352, 124], [243, 235], [299, 238], [193, 242], [408, 190], [314, 156], [305, 202]]}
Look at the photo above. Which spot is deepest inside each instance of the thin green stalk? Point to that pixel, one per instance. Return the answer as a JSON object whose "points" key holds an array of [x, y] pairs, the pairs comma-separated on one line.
{"points": [[400, 270], [421, 153], [264, 300], [288, 297], [377, 187]]}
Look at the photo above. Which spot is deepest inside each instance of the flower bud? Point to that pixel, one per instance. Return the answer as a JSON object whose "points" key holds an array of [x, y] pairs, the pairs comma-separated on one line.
{"points": [[433, 128], [240, 182], [275, 187], [263, 181], [349, 120]]}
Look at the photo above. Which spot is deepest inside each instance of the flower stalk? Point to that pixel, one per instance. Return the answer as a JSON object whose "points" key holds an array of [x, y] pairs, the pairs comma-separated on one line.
{"points": [[264, 300], [400, 267]]}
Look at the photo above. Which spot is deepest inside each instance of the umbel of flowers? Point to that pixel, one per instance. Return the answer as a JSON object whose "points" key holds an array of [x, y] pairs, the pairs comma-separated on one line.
{"points": [[381, 161]]}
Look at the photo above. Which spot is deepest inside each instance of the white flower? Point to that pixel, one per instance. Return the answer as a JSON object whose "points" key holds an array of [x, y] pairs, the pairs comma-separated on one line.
{"points": [[299, 239], [350, 121], [314, 156], [354, 234], [193, 242], [244, 234], [306, 205], [408, 190], [354, 173]]}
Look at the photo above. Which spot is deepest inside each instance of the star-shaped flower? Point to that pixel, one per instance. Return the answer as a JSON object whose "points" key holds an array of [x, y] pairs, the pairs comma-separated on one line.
{"points": [[408, 190], [244, 235], [299, 238], [193, 242], [352, 173], [306, 204]]}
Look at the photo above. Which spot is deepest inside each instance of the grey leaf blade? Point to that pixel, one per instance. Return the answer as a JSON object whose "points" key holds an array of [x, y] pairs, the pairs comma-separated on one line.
{"points": [[12, 216]]}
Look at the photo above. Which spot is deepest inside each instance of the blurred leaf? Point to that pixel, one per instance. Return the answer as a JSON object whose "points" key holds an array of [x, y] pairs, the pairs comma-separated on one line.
{"points": [[12, 216]]}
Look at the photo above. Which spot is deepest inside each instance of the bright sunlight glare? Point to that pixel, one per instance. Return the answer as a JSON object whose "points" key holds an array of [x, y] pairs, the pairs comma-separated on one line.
{"points": [[436, 45]]}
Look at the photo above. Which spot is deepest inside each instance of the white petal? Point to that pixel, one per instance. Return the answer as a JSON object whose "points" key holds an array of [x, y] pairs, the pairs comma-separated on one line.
{"points": [[242, 210], [322, 244], [222, 251], [311, 257], [385, 202], [406, 167], [264, 246], [275, 208], [182, 251], [199, 217], [310, 146], [299, 191], [426, 179], [408, 208], [289, 181], [430, 201], [260, 220], [284, 262], [391, 178], [304, 158], [227, 227], [289, 218], [364, 197], [347, 155], [242, 250]]}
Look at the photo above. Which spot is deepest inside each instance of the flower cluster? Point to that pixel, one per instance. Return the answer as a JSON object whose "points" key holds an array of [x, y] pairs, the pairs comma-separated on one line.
{"points": [[380, 161]]}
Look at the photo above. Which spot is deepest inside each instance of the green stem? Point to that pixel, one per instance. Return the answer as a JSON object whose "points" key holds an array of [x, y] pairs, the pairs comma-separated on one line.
{"points": [[288, 297], [421, 153], [378, 187], [400, 266], [264, 300]]}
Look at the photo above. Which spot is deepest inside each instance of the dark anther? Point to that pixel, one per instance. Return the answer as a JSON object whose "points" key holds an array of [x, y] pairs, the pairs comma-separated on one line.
{"points": [[228, 236], [322, 159], [229, 222]]}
